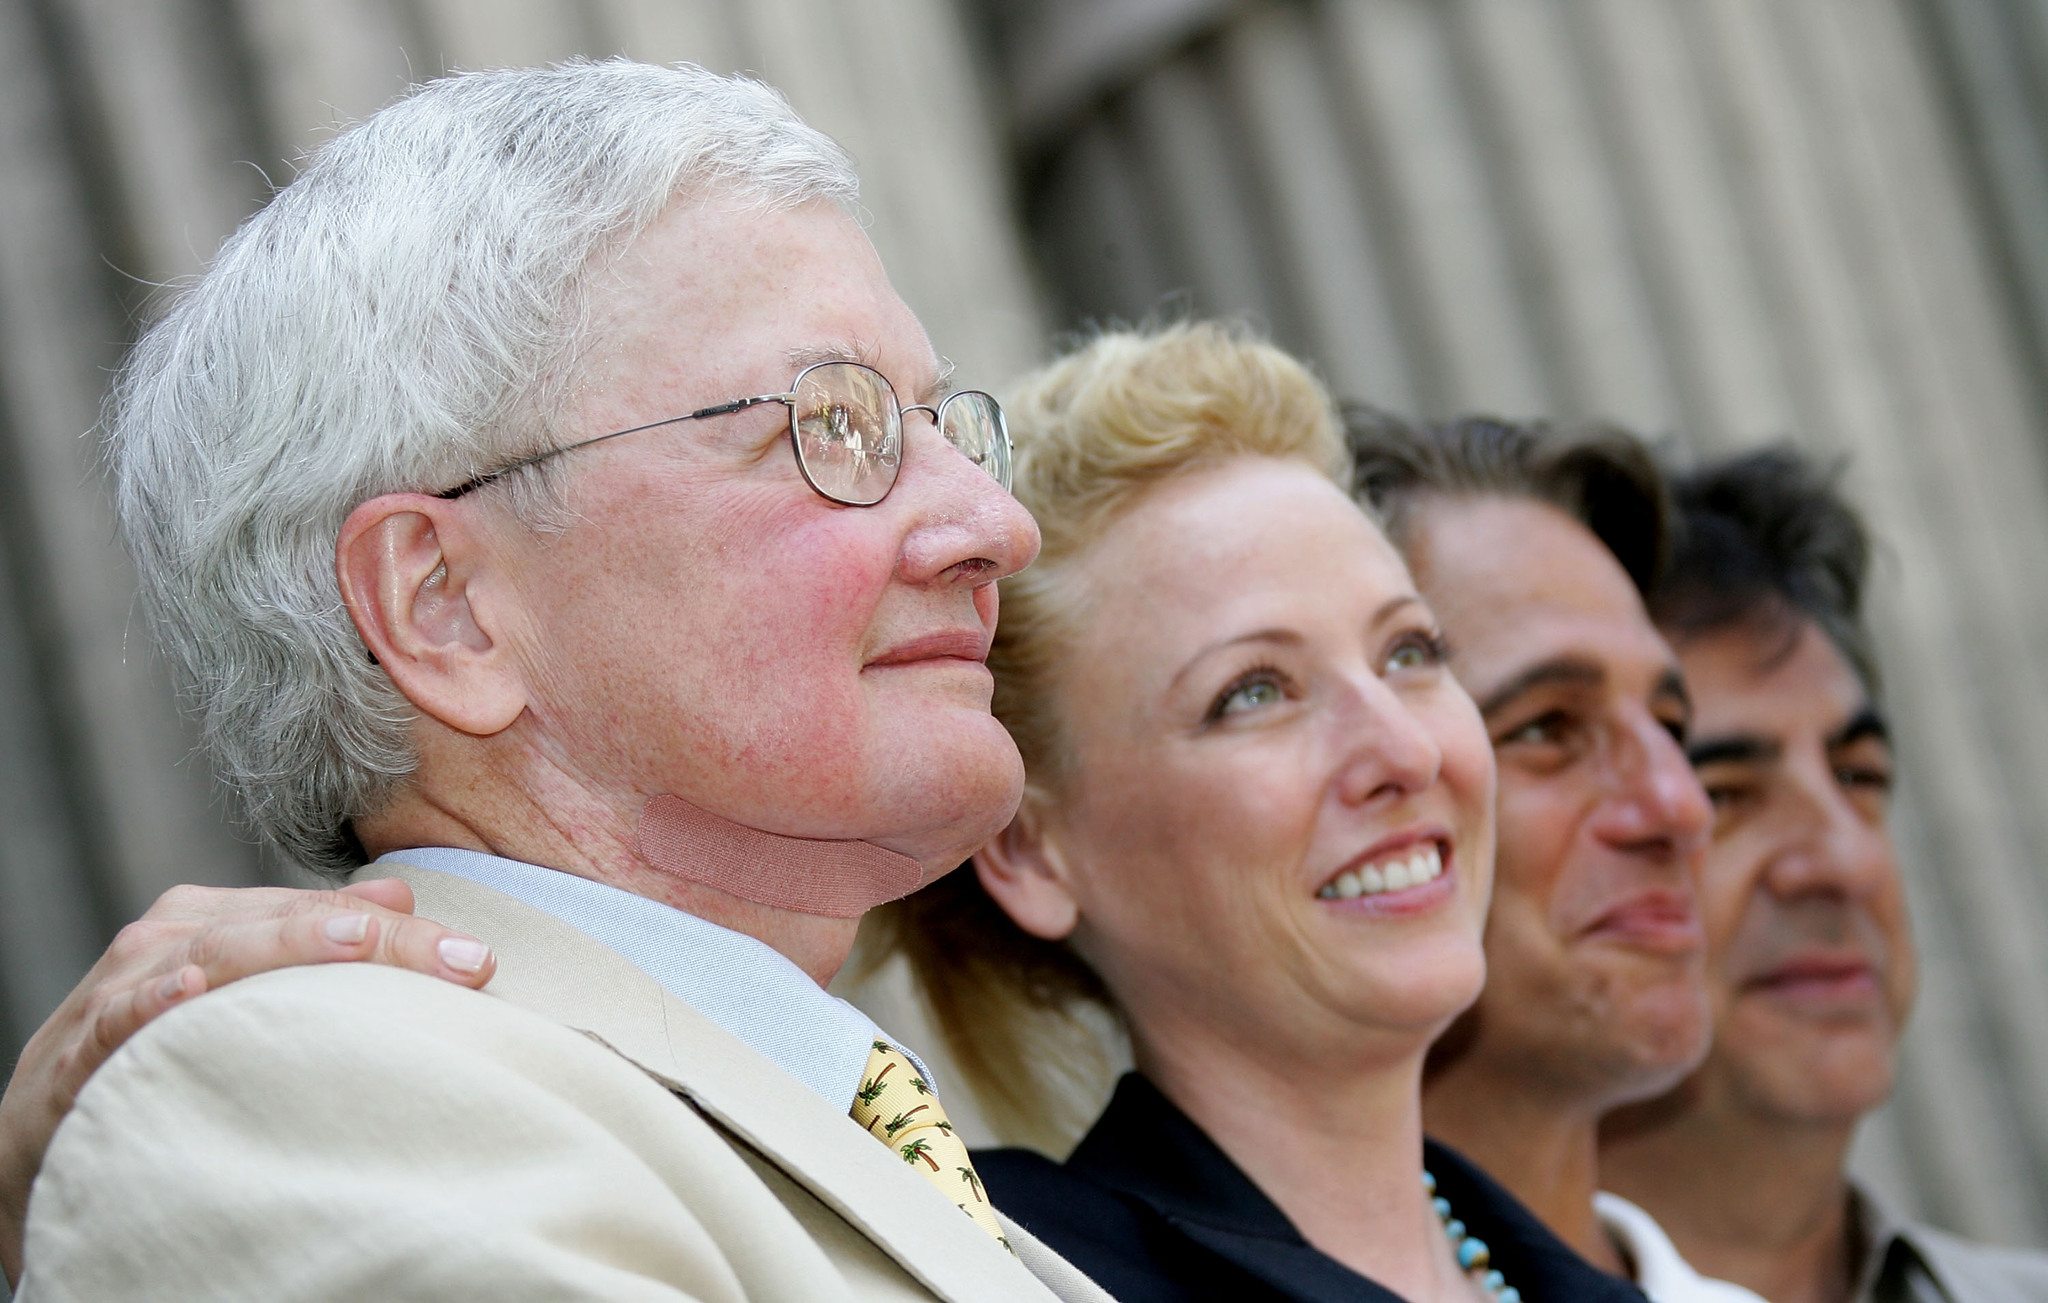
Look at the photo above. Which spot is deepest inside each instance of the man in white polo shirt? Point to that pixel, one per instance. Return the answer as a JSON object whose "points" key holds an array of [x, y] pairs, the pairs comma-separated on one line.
{"points": [[1811, 964]]}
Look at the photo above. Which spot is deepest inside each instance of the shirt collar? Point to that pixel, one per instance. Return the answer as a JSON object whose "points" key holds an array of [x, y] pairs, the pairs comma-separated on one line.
{"points": [[1881, 1234], [740, 983], [1660, 1270]]}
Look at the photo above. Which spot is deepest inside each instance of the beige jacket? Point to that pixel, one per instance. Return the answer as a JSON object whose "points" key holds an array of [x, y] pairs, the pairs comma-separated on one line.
{"points": [[575, 1132]]}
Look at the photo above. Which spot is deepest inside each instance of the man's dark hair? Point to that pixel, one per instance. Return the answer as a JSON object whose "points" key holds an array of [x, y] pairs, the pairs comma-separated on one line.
{"points": [[1766, 538], [1601, 476]]}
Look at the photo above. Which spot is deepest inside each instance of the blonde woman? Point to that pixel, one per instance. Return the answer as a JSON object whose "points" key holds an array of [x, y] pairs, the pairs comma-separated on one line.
{"points": [[1257, 828]]}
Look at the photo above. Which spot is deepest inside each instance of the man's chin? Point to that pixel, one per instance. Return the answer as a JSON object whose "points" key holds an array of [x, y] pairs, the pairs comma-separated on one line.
{"points": [[945, 813], [1814, 1084], [951, 837], [1645, 977], [1666, 1030]]}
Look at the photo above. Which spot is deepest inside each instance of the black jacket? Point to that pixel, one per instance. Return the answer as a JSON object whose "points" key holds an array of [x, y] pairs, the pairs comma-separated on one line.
{"points": [[1156, 1213]]}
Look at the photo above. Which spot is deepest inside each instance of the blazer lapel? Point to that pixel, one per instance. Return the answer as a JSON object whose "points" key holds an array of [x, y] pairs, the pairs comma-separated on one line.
{"points": [[552, 969]]}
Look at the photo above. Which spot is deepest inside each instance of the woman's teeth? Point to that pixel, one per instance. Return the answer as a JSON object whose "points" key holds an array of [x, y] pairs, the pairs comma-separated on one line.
{"points": [[1425, 865]]}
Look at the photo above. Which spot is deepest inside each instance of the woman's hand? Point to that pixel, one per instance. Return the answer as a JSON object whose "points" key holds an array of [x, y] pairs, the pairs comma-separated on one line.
{"points": [[193, 940]]}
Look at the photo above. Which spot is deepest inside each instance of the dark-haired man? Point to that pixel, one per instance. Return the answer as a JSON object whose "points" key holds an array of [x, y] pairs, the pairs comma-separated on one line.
{"points": [[1535, 548], [1811, 966]]}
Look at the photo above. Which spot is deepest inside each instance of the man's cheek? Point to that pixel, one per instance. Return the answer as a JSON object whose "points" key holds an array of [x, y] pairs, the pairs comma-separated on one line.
{"points": [[836, 577], [812, 609]]}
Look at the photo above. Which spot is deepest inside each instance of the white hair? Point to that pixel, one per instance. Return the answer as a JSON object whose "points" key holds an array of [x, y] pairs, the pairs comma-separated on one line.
{"points": [[399, 318]]}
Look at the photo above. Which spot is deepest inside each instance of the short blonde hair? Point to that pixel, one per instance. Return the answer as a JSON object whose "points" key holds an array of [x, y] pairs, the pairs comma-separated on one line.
{"points": [[1095, 432]]}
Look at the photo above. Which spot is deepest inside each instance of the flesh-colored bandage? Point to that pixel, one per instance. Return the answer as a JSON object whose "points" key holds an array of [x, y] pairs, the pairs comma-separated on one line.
{"points": [[837, 879]]}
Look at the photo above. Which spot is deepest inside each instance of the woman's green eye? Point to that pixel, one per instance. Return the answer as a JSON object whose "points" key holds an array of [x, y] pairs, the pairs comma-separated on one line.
{"points": [[1251, 696], [1416, 651], [1408, 657]]}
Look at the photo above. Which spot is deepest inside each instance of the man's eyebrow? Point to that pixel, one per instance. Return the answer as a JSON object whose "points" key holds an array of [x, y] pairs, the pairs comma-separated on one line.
{"points": [[854, 350], [1736, 748], [850, 350], [1868, 722], [941, 385], [1672, 686], [1570, 671]]}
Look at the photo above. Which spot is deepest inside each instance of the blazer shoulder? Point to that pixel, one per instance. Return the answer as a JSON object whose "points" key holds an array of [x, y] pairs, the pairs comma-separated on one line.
{"points": [[370, 1026], [349, 1131], [357, 997]]}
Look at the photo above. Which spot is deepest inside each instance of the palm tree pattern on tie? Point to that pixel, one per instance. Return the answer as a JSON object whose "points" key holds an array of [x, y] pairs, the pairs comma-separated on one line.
{"points": [[898, 1107]]}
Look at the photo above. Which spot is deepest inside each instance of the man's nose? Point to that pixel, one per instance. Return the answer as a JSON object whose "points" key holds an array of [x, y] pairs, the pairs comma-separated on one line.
{"points": [[1830, 847], [1657, 804], [964, 525]]}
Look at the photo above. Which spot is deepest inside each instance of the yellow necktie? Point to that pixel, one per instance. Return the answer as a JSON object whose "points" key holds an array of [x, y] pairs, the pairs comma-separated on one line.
{"points": [[897, 1106]]}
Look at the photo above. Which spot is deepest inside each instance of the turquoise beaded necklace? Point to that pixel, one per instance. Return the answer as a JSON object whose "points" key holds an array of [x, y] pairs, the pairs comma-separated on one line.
{"points": [[1471, 1251]]}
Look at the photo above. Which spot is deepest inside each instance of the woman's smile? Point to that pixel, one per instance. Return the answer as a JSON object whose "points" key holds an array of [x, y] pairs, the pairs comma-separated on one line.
{"points": [[1413, 875]]}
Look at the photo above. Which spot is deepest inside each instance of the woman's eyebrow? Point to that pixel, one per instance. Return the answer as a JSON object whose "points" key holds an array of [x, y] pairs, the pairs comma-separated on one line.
{"points": [[1390, 606], [1278, 636]]}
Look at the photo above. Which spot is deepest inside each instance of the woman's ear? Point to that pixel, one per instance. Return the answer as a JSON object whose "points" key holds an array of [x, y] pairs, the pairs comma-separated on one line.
{"points": [[1026, 871], [410, 569]]}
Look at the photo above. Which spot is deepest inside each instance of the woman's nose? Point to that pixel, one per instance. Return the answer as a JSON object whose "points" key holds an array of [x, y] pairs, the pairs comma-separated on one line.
{"points": [[1387, 748]]}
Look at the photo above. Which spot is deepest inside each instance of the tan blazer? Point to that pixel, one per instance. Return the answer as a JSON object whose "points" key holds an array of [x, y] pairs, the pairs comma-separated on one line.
{"points": [[575, 1132]]}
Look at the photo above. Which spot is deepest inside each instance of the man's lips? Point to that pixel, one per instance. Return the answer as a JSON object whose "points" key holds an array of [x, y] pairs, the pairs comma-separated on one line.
{"points": [[1660, 921], [947, 644], [1818, 976]]}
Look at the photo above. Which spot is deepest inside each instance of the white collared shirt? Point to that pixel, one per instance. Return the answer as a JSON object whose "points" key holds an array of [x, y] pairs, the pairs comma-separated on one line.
{"points": [[1660, 1272], [742, 984], [1910, 1262]]}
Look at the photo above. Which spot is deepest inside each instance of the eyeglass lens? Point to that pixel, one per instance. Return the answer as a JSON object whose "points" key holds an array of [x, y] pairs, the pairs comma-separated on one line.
{"points": [[973, 422], [849, 432]]}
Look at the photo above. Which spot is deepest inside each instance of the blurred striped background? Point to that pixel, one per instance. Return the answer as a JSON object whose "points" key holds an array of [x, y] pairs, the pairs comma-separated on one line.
{"points": [[1718, 221]]}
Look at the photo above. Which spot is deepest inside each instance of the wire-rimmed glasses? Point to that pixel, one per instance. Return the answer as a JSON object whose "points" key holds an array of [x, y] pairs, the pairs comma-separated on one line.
{"points": [[846, 425]]}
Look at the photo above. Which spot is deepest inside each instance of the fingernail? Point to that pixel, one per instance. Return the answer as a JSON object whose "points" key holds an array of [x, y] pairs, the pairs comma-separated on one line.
{"points": [[463, 955], [172, 987], [347, 929]]}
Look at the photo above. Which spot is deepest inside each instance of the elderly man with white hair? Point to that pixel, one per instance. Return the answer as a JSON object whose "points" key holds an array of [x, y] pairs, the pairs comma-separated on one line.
{"points": [[552, 504]]}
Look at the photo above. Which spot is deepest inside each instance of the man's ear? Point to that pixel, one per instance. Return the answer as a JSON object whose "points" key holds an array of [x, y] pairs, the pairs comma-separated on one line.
{"points": [[409, 567], [1026, 871]]}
